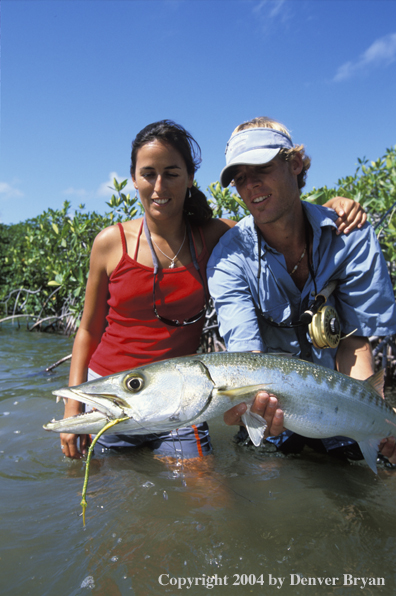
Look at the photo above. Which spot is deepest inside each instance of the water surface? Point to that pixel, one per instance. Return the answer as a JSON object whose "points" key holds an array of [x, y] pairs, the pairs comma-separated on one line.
{"points": [[234, 523]]}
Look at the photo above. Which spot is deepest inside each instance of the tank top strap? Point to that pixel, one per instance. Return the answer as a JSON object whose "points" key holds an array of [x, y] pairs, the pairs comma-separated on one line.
{"points": [[123, 239], [138, 241]]}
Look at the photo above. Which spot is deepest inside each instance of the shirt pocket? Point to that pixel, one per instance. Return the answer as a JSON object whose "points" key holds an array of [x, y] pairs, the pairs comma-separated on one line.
{"points": [[279, 313]]}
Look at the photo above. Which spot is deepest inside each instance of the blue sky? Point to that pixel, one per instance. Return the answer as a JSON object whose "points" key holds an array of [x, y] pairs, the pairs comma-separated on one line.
{"points": [[79, 79]]}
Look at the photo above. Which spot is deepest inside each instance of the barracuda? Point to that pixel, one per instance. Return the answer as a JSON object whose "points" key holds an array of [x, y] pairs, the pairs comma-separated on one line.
{"points": [[317, 402]]}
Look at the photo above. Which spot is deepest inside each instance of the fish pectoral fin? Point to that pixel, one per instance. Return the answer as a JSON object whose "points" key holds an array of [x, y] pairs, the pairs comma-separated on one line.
{"points": [[369, 447], [240, 392], [255, 425]]}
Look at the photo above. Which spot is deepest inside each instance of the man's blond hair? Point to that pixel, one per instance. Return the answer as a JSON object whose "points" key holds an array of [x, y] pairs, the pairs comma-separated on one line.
{"points": [[285, 154]]}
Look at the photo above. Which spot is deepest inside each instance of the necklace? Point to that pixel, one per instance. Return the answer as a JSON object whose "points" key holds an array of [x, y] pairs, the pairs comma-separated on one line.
{"points": [[299, 260], [172, 265]]}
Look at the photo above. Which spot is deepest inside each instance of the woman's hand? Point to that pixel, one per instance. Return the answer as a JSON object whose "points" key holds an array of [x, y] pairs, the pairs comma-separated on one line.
{"points": [[266, 406], [74, 446], [350, 214]]}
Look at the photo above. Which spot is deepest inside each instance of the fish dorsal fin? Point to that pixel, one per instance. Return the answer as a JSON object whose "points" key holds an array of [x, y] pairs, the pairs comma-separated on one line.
{"points": [[376, 382]]}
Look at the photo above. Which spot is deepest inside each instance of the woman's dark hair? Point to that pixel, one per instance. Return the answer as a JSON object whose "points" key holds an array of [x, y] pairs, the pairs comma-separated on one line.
{"points": [[196, 207]]}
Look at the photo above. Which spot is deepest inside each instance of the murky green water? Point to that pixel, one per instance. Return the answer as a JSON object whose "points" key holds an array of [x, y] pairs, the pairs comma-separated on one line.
{"points": [[237, 520]]}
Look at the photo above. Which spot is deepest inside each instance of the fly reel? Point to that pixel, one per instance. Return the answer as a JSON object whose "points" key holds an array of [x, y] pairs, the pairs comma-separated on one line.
{"points": [[325, 328]]}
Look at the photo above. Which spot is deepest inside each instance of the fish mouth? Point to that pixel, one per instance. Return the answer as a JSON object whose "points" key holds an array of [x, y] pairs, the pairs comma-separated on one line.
{"points": [[83, 419], [111, 406]]}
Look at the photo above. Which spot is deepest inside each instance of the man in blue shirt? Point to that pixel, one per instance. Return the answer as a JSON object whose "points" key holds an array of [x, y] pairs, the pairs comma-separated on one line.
{"points": [[266, 271]]}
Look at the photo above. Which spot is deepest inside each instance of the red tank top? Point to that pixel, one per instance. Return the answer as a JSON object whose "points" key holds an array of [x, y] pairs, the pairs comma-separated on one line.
{"points": [[134, 336]]}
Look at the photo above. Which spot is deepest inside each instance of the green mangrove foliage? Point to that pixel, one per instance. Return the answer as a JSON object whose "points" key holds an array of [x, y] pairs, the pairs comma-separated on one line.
{"points": [[225, 203], [373, 185], [45, 260]]}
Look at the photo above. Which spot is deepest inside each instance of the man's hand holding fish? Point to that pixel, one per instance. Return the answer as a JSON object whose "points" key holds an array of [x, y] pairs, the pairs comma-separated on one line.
{"points": [[264, 405]]}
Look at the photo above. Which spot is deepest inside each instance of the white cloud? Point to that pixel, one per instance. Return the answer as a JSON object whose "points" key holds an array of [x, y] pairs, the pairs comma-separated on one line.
{"points": [[271, 9], [106, 189], [103, 191], [10, 191], [380, 54], [77, 192]]}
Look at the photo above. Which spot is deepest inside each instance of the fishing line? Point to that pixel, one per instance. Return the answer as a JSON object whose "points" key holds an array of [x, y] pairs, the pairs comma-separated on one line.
{"points": [[236, 492], [90, 452]]}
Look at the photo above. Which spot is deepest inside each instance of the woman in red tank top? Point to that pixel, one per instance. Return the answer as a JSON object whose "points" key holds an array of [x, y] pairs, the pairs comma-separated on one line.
{"points": [[146, 291]]}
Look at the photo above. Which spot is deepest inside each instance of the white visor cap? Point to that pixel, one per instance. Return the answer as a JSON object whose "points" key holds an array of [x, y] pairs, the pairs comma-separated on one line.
{"points": [[253, 146]]}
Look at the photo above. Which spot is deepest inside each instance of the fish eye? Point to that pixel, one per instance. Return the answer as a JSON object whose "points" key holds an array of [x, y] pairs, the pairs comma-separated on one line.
{"points": [[134, 384]]}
